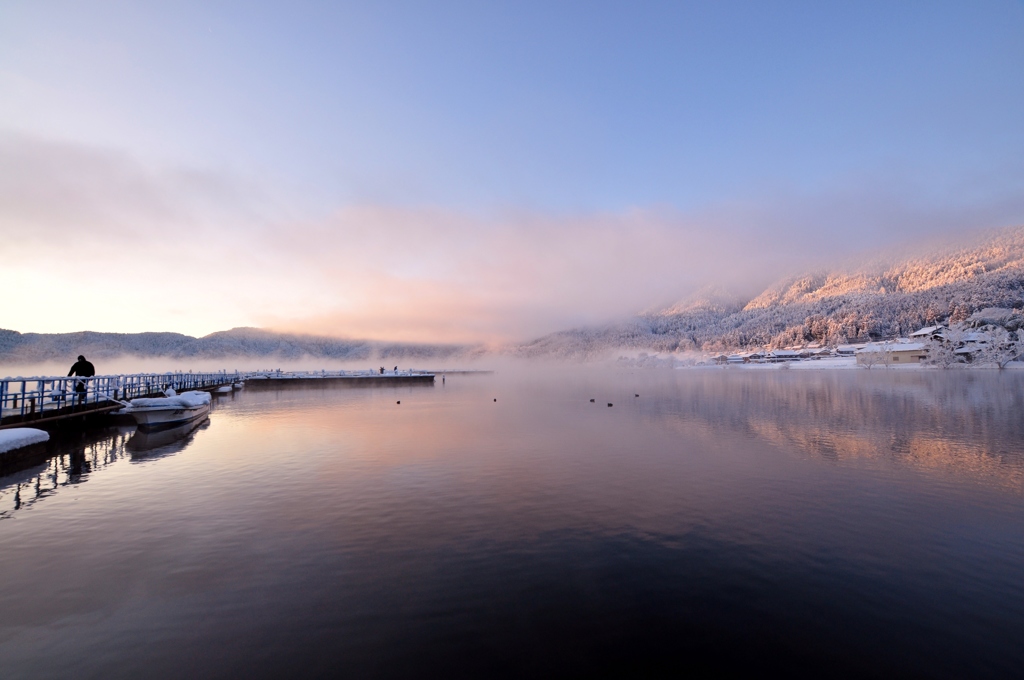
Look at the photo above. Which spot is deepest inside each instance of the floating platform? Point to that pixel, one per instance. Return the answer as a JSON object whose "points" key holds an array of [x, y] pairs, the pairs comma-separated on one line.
{"points": [[333, 380], [53, 403]]}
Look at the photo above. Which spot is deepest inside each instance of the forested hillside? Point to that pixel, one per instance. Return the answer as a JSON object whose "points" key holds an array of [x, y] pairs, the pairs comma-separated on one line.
{"points": [[878, 299]]}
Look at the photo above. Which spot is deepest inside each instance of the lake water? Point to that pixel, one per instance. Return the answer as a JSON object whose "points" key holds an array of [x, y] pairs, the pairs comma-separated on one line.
{"points": [[857, 523]]}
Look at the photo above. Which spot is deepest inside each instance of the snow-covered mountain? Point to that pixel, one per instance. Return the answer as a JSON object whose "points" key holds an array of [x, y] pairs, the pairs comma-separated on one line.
{"points": [[883, 297], [29, 348]]}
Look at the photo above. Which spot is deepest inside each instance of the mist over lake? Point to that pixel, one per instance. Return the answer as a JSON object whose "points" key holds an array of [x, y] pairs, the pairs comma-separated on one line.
{"points": [[846, 523]]}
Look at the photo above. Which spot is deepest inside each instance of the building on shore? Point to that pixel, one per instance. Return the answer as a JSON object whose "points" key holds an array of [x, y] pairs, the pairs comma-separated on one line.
{"points": [[849, 350], [929, 333], [901, 352]]}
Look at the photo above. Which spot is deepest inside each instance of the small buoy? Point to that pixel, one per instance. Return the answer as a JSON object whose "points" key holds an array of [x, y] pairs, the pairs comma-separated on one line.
{"points": [[636, 395], [495, 400], [591, 401], [398, 402], [609, 404]]}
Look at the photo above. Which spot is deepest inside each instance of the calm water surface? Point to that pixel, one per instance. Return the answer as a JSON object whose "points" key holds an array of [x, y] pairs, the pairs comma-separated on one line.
{"points": [[836, 523]]}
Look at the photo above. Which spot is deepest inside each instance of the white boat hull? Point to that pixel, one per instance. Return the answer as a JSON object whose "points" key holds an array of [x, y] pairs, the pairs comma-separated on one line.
{"points": [[158, 417]]}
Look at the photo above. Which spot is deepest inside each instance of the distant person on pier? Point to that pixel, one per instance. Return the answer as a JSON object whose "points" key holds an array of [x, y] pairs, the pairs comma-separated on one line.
{"points": [[396, 370], [83, 369]]}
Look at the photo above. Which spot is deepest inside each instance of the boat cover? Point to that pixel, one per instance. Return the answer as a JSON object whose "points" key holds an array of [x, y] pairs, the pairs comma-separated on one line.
{"points": [[183, 400]]}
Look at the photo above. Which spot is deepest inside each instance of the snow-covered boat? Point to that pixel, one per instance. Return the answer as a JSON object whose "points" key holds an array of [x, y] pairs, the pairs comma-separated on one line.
{"points": [[170, 410]]}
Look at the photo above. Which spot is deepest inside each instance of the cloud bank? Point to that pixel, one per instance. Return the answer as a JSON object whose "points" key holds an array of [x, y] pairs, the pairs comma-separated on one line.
{"points": [[94, 239]]}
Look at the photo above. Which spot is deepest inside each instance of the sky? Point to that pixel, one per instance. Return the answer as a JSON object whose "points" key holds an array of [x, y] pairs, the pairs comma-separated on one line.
{"points": [[481, 172]]}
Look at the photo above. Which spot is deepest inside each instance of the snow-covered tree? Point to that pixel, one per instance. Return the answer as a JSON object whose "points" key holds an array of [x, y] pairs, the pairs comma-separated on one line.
{"points": [[878, 300], [1002, 347], [876, 355], [942, 350]]}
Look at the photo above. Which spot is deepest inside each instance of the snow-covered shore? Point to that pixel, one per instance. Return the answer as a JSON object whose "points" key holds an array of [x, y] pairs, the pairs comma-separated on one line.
{"points": [[691, 361]]}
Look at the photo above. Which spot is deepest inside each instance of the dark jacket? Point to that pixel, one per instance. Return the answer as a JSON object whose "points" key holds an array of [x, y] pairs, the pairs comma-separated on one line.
{"points": [[83, 369]]}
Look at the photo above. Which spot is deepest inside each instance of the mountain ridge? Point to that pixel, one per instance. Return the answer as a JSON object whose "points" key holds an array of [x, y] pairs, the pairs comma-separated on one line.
{"points": [[884, 297], [251, 342]]}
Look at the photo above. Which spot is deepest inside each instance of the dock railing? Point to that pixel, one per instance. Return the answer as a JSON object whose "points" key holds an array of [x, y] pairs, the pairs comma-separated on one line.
{"points": [[37, 396]]}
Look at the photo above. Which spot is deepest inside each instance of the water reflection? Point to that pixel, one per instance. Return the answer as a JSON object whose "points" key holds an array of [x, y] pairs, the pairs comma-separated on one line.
{"points": [[70, 460], [868, 524], [66, 461], [151, 444], [967, 425]]}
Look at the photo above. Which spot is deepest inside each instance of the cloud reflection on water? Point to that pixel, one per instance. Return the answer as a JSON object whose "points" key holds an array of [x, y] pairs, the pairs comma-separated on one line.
{"points": [[338, 526]]}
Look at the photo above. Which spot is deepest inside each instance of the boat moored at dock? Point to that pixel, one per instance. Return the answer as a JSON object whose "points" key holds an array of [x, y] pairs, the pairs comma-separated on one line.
{"points": [[170, 410]]}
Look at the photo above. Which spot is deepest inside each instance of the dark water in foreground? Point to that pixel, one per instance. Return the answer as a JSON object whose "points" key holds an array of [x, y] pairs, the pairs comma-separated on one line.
{"points": [[844, 523]]}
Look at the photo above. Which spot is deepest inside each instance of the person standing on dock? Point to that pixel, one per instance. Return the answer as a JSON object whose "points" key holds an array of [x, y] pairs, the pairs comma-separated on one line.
{"points": [[83, 369]]}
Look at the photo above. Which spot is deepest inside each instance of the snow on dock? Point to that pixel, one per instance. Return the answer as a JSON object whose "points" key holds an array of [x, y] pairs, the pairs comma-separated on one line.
{"points": [[183, 400], [58, 401], [51, 400], [355, 378], [20, 437]]}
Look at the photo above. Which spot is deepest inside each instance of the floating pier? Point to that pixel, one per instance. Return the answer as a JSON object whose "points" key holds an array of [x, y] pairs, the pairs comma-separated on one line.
{"points": [[277, 380], [55, 402]]}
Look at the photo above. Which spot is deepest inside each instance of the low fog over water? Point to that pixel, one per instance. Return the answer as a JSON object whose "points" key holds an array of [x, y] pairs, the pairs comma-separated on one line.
{"points": [[129, 364]]}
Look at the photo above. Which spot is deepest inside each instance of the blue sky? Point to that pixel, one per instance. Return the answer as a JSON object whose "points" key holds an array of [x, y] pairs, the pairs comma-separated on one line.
{"points": [[764, 120]]}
